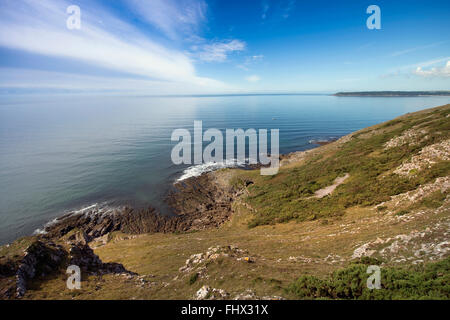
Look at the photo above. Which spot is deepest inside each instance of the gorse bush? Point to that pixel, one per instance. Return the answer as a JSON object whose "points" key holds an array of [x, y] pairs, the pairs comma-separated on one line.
{"points": [[193, 278], [431, 281]]}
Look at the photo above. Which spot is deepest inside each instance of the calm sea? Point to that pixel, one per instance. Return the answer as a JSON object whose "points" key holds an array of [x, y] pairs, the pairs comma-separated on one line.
{"points": [[62, 153]]}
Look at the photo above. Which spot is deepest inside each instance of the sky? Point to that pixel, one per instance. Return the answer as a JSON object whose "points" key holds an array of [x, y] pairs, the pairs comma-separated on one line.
{"points": [[164, 47]]}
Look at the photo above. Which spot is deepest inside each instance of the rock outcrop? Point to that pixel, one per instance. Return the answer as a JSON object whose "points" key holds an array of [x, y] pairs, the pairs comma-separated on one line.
{"points": [[196, 203], [40, 259], [97, 222], [43, 258]]}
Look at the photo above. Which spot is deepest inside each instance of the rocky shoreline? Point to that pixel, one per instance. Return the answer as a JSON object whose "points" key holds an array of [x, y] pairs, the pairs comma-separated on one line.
{"points": [[196, 203]]}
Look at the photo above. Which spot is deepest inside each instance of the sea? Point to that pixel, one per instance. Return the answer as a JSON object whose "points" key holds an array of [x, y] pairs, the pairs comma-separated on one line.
{"points": [[74, 152]]}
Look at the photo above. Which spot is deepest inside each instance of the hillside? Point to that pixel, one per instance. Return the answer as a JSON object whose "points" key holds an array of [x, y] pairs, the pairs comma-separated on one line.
{"points": [[379, 196]]}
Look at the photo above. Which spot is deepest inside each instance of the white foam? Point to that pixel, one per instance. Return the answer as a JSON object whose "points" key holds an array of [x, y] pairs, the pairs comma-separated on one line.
{"points": [[199, 169], [100, 209], [82, 210], [39, 231]]}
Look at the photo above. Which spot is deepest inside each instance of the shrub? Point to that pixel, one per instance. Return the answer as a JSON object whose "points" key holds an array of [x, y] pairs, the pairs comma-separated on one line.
{"points": [[193, 278], [431, 281]]}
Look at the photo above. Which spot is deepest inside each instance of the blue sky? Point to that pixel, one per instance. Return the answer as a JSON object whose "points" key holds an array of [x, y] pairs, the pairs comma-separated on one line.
{"points": [[207, 47]]}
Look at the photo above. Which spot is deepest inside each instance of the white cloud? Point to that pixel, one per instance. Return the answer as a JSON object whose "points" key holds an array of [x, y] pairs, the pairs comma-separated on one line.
{"points": [[434, 72], [411, 69], [39, 27], [170, 16], [219, 51], [253, 78]]}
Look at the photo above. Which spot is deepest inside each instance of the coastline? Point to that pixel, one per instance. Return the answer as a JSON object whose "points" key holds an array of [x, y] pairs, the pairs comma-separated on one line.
{"points": [[197, 201], [214, 231]]}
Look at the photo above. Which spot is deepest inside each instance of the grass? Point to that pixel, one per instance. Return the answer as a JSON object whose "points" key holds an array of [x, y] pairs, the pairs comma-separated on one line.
{"points": [[157, 257], [288, 196]]}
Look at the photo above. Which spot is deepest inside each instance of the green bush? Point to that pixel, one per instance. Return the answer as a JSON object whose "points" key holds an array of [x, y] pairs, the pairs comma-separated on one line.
{"points": [[193, 278], [431, 281]]}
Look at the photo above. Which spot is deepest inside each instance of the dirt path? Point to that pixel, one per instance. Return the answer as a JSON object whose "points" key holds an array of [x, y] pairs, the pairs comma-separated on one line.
{"points": [[328, 190]]}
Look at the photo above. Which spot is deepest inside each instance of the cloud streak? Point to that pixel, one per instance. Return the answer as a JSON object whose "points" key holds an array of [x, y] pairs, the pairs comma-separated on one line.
{"points": [[406, 51], [250, 61], [13, 78], [219, 51], [253, 78], [173, 18], [39, 27]]}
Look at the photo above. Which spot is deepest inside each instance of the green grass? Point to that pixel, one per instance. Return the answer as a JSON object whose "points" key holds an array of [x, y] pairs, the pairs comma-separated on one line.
{"points": [[287, 196], [402, 212]]}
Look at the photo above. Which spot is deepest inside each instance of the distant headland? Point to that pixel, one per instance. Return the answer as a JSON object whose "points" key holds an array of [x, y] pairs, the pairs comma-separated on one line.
{"points": [[392, 93]]}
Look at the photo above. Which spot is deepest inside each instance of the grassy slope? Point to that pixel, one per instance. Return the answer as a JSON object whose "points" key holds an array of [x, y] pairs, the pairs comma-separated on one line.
{"points": [[287, 196], [318, 236]]}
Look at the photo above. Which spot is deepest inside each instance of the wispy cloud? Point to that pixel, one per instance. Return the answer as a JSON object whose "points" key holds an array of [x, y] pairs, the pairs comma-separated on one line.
{"points": [[253, 78], [426, 63], [14, 78], [406, 51], [250, 61], [280, 9], [258, 57], [219, 51], [174, 18], [288, 8], [265, 9], [103, 41]]}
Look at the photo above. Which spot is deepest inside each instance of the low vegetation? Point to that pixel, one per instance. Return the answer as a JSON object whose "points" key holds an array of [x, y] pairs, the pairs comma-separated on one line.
{"points": [[288, 196], [431, 281]]}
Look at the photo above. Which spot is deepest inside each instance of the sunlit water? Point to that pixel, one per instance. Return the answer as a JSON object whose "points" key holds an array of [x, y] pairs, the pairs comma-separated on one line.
{"points": [[61, 153]]}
